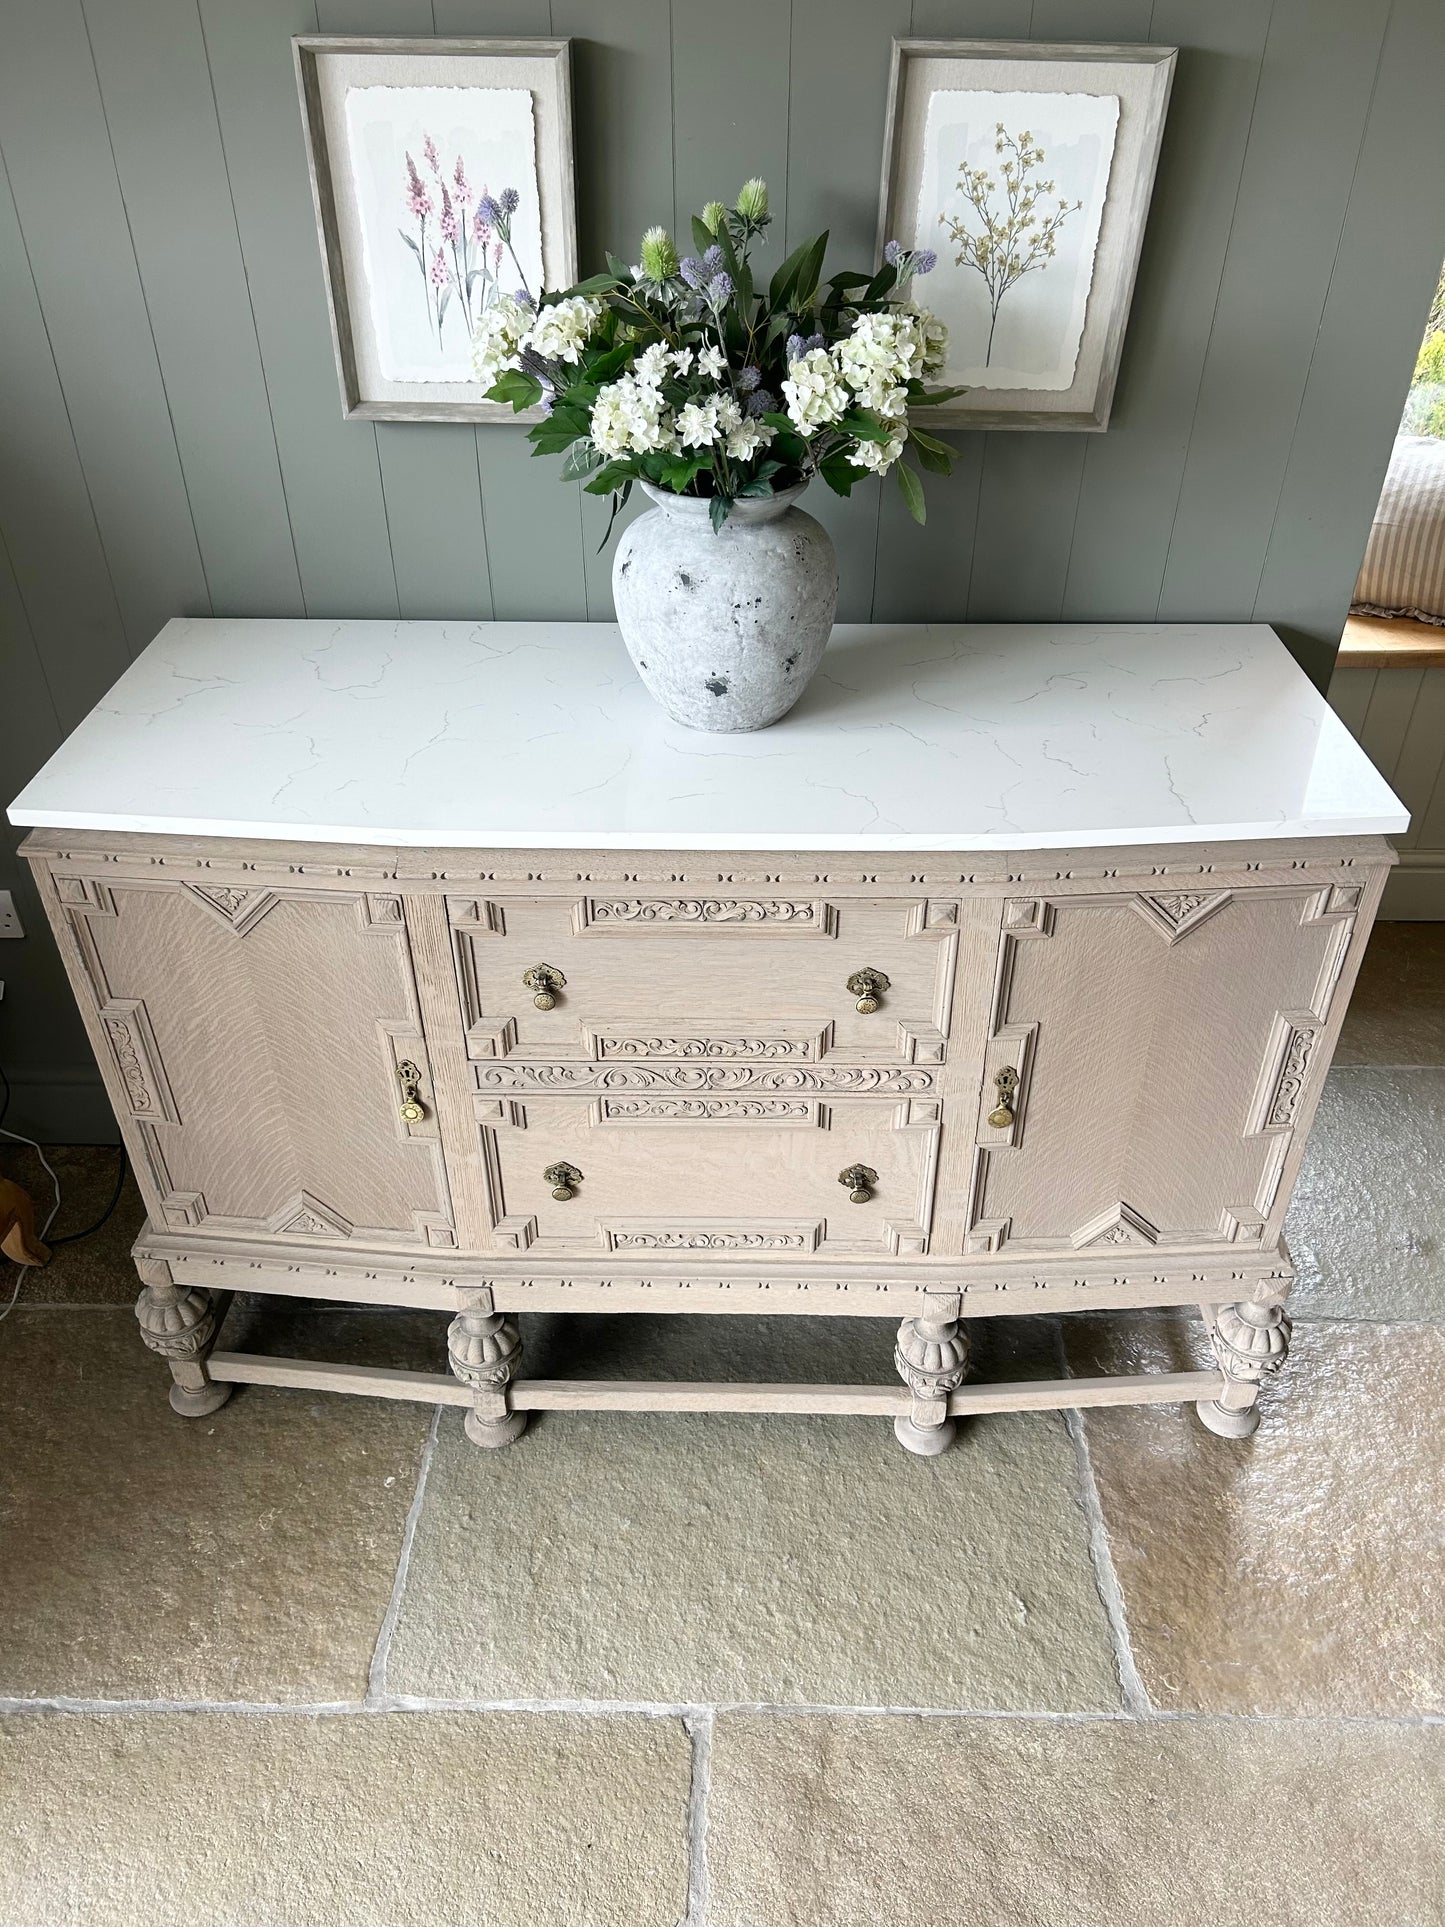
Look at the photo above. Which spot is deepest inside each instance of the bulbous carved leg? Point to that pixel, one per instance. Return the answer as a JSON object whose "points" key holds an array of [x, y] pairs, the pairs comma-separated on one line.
{"points": [[180, 1322], [484, 1348], [932, 1359], [1251, 1343]]}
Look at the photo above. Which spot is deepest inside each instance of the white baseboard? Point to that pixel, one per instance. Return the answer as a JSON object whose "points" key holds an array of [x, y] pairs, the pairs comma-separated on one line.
{"points": [[1416, 890], [60, 1107]]}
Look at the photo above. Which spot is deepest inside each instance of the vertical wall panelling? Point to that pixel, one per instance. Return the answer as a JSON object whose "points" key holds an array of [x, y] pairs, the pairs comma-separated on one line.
{"points": [[1319, 65], [430, 476], [333, 482], [622, 88], [1369, 333], [62, 174], [1398, 717], [1132, 472], [156, 89]]}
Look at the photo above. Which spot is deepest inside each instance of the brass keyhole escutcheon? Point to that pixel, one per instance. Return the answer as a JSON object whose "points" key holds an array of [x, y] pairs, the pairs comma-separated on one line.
{"points": [[868, 987], [564, 1180], [545, 981], [858, 1180], [1006, 1083], [409, 1077]]}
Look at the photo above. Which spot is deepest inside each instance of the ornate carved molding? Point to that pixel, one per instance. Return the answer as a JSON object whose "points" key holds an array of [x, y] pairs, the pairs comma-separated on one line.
{"points": [[239, 910], [138, 1060], [1285, 1072], [307, 1217], [747, 916], [708, 1234], [770, 1111], [177, 1321], [852, 1080], [1251, 1341], [609, 1043], [1175, 914], [1120, 1224]]}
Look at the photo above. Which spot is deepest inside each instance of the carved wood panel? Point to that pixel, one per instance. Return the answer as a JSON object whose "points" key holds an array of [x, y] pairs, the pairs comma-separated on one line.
{"points": [[255, 1043], [1162, 1044], [755, 974], [724, 1174]]}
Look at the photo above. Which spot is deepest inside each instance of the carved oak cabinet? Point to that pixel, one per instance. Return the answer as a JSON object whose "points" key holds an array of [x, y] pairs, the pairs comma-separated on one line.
{"points": [[428, 964]]}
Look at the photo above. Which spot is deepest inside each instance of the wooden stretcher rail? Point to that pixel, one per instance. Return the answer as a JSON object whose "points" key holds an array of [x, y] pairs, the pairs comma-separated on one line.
{"points": [[684, 1395]]}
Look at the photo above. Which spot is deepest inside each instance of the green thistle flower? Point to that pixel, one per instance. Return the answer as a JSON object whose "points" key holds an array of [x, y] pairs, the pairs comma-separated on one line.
{"points": [[713, 216], [659, 255], [753, 200]]}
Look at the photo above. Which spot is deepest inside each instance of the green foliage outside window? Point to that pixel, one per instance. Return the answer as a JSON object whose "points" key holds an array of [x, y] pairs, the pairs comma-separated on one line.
{"points": [[1425, 403]]}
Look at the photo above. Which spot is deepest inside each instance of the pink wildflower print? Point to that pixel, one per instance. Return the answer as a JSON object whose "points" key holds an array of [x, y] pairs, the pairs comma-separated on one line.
{"points": [[417, 199], [449, 219], [429, 148], [459, 175], [497, 255], [480, 230], [440, 272]]}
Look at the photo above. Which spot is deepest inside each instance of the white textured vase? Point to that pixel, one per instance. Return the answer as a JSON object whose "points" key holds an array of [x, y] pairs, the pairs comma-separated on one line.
{"points": [[725, 629]]}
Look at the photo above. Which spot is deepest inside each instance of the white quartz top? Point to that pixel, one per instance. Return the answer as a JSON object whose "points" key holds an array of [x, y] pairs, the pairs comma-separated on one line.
{"points": [[538, 735]]}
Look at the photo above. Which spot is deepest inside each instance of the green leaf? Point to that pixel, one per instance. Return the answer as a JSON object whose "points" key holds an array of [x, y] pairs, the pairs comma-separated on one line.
{"points": [[840, 474], [936, 459], [930, 442], [912, 489], [865, 426], [595, 284], [610, 477], [619, 502], [806, 288], [522, 391], [581, 458], [680, 472], [882, 282], [718, 511], [702, 237], [410, 240], [786, 278], [619, 269], [935, 395]]}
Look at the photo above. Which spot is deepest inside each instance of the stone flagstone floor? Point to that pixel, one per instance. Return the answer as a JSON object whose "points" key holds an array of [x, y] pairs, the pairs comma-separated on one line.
{"points": [[316, 1660]]}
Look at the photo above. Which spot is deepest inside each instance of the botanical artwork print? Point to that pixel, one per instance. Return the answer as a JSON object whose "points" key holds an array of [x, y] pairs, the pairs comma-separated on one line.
{"points": [[445, 182], [1012, 196]]}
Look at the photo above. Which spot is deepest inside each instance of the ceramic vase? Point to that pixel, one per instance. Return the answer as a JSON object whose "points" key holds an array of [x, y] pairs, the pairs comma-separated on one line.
{"points": [[726, 628]]}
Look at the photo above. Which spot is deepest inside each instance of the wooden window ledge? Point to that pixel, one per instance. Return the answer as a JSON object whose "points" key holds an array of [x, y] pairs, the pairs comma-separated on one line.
{"points": [[1391, 642]]}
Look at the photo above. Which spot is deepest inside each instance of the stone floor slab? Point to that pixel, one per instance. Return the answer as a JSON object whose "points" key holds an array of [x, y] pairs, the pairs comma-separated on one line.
{"points": [[1302, 1570], [92, 1270], [247, 1556], [683, 1558], [1094, 1823], [392, 1820], [1397, 1012], [1367, 1222]]}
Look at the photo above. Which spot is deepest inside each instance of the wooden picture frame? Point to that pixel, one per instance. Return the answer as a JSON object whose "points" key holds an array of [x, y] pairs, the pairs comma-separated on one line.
{"points": [[1095, 134], [405, 282]]}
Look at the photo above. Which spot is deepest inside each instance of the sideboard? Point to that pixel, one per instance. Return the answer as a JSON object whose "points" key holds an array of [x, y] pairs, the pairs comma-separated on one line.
{"points": [[428, 964]]}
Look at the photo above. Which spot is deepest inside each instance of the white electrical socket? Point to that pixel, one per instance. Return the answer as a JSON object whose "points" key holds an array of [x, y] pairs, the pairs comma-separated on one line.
{"points": [[9, 916]]}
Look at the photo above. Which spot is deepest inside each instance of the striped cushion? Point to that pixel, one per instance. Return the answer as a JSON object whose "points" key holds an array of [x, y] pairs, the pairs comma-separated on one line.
{"points": [[1404, 568]]}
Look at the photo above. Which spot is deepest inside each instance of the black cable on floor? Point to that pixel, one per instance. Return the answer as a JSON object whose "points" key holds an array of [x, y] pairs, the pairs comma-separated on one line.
{"points": [[73, 1237]]}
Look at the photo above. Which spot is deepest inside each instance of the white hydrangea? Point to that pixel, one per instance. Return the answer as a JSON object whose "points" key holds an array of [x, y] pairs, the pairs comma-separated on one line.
{"points": [[814, 392], [630, 417], [879, 457], [744, 441], [498, 338], [560, 331], [651, 365], [882, 353], [933, 334]]}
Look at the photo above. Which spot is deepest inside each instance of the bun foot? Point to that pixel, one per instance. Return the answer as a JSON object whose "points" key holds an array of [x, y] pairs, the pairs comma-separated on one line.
{"points": [[199, 1401], [1229, 1425], [493, 1432], [926, 1440]]}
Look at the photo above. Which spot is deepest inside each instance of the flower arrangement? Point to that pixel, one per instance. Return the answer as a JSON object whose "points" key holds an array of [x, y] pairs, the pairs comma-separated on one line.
{"points": [[683, 373]]}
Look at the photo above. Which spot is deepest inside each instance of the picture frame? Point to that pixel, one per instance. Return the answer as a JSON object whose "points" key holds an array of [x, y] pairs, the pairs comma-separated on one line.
{"points": [[1029, 170], [442, 177]]}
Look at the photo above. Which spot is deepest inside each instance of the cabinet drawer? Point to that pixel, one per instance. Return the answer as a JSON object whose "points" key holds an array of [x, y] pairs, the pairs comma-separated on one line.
{"points": [[700, 1173], [752, 978]]}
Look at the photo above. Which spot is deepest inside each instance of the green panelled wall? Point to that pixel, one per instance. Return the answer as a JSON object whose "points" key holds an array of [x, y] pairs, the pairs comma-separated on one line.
{"points": [[171, 439]]}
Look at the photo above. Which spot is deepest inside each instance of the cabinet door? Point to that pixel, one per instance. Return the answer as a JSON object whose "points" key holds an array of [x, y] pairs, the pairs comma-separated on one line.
{"points": [[1164, 1046], [668, 1172], [256, 1041], [750, 978]]}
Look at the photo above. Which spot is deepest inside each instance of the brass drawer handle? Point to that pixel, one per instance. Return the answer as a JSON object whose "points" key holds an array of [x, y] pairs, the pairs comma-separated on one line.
{"points": [[412, 1108], [868, 987], [859, 1180], [1006, 1083], [546, 982], [564, 1179]]}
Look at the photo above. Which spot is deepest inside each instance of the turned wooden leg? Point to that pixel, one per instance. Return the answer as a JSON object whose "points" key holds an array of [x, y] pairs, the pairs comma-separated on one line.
{"points": [[1251, 1342], [932, 1358], [484, 1347], [180, 1322]]}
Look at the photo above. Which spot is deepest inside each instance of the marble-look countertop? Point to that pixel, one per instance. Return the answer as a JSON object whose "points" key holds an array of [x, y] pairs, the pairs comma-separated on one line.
{"points": [[538, 735]]}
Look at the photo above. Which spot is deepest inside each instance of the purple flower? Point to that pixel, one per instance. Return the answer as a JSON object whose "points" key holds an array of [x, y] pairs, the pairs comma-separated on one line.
{"points": [[760, 402], [440, 272], [429, 148], [488, 212], [511, 200], [893, 253], [692, 271], [720, 290], [713, 259], [417, 199], [459, 175], [747, 380], [480, 230], [524, 299], [796, 348], [925, 261], [449, 219], [814, 341]]}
